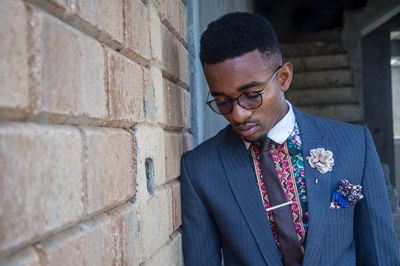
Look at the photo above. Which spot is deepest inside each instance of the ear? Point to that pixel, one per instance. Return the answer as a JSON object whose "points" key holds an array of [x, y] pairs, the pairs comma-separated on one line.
{"points": [[285, 76]]}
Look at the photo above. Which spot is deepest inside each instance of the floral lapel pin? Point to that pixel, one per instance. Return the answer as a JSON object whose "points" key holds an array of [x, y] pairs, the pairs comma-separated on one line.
{"points": [[321, 159], [346, 195]]}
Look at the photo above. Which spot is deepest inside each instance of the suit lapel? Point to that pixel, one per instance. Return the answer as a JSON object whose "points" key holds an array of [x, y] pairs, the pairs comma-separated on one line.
{"points": [[235, 160], [317, 187]]}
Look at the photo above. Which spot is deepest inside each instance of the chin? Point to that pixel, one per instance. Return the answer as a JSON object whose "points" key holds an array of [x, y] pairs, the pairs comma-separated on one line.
{"points": [[255, 139]]}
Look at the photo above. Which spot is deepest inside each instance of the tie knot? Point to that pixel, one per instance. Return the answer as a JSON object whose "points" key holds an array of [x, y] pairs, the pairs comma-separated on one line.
{"points": [[264, 146]]}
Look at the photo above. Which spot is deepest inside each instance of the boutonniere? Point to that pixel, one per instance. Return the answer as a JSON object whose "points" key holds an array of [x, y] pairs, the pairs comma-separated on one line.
{"points": [[321, 159], [346, 195]]}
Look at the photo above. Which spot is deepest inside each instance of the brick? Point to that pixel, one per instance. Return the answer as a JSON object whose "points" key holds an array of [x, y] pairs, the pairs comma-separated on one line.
{"points": [[137, 32], [186, 109], [40, 181], [40, 3], [182, 20], [172, 15], [26, 257], [169, 12], [57, 7], [88, 243], [175, 205], [174, 58], [171, 254], [106, 17], [187, 142], [72, 74], [125, 225], [177, 106], [150, 145], [14, 54], [155, 35], [154, 99], [155, 223], [110, 167], [173, 152], [126, 86]]}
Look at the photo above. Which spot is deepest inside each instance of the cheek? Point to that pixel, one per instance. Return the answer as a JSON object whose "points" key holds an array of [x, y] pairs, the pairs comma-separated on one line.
{"points": [[271, 110], [228, 118]]}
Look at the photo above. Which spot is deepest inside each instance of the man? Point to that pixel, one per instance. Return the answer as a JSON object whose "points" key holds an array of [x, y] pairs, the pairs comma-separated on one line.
{"points": [[277, 186]]}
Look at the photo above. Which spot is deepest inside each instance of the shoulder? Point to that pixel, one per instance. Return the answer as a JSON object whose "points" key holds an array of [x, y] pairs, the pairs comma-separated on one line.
{"points": [[200, 166], [333, 128], [207, 150]]}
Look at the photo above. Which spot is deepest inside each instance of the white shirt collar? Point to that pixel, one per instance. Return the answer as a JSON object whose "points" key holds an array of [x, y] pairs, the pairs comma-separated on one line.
{"points": [[282, 130]]}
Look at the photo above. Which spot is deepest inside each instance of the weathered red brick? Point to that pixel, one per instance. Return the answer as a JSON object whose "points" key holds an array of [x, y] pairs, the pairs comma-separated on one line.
{"points": [[182, 20], [89, 243], [72, 73], [137, 32], [169, 11], [14, 54], [172, 14], [187, 142], [154, 96], [155, 223], [175, 204], [127, 82], [107, 17], [40, 181], [56, 7], [125, 226], [155, 35], [150, 146], [173, 152], [25, 257], [174, 58], [170, 254], [177, 106], [110, 167]]}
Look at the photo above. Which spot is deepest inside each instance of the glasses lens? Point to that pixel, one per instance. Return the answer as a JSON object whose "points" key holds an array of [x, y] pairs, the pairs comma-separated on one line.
{"points": [[222, 106], [250, 100]]}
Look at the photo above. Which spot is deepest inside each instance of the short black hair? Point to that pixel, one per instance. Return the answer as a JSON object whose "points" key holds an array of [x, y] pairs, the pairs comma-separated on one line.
{"points": [[235, 34]]}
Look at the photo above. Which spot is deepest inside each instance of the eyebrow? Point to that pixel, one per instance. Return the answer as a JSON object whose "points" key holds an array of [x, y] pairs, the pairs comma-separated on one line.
{"points": [[249, 85], [241, 88]]}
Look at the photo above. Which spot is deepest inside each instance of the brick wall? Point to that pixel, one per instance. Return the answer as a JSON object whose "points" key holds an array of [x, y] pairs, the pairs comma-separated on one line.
{"points": [[94, 116]]}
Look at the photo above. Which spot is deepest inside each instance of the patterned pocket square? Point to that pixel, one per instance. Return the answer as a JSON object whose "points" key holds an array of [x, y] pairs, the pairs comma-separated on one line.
{"points": [[346, 195]]}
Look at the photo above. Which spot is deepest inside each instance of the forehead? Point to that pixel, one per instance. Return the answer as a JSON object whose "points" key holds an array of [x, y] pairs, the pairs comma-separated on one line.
{"points": [[236, 72]]}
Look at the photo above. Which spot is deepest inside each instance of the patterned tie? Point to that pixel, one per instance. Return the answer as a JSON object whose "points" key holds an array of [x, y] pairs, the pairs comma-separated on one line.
{"points": [[291, 250]]}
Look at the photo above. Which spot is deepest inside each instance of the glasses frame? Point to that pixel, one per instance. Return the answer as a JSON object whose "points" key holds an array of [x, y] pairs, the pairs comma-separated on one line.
{"points": [[260, 92]]}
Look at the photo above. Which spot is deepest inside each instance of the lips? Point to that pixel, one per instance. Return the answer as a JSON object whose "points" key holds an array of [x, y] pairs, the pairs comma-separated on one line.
{"points": [[246, 129]]}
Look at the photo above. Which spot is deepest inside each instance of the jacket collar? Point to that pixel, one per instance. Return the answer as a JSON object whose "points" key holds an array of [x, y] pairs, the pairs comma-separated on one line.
{"points": [[317, 186], [238, 171]]}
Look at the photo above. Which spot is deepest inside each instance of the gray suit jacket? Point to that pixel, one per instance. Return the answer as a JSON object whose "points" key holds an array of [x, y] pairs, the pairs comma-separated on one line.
{"points": [[222, 208]]}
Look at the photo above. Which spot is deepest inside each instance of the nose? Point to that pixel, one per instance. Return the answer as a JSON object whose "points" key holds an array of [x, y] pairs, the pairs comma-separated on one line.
{"points": [[240, 114]]}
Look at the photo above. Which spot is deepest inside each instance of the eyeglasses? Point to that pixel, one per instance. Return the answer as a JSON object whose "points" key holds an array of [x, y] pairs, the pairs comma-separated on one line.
{"points": [[248, 100]]}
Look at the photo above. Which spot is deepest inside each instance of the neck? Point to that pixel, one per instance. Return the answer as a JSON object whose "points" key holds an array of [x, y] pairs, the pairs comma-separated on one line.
{"points": [[284, 110]]}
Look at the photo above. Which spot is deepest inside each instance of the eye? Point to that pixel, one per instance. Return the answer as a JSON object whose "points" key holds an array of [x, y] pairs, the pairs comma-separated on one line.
{"points": [[252, 94], [222, 102]]}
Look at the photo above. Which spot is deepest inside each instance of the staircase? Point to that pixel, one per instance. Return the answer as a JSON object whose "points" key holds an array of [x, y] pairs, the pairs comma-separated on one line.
{"points": [[322, 84]]}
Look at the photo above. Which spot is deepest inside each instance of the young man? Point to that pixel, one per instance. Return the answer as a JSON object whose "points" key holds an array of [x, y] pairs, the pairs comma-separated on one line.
{"points": [[277, 186]]}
